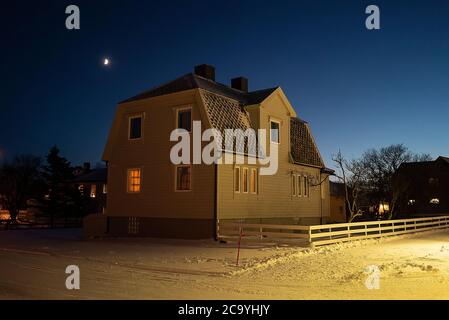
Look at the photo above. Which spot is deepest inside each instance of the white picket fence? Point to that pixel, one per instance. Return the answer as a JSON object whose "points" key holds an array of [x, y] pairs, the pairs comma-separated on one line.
{"points": [[328, 233]]}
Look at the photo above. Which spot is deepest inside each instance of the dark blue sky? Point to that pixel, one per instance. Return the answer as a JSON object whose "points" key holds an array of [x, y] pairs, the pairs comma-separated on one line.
{"points": [[357, 88]]}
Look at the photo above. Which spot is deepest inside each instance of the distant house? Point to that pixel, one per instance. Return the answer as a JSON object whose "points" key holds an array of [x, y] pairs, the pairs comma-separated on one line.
{"points": [[92, 185], [424, 187], [337, 202], [148, 195]]}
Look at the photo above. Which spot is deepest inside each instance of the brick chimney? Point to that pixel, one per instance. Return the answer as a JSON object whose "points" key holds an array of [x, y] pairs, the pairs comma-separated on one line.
{"points": [[240, 83], [205, 71]]}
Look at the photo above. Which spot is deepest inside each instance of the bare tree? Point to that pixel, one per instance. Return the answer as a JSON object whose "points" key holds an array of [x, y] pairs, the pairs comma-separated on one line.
{"points": [[350, 173], [19, 181], [379, 167]]}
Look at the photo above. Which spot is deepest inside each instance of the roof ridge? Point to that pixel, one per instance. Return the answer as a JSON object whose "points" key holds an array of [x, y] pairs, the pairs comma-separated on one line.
{"points": [[136, 97], [192, 81]]}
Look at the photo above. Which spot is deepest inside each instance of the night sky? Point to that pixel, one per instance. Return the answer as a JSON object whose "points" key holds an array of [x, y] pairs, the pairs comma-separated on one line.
{"points": [[357, 88]]}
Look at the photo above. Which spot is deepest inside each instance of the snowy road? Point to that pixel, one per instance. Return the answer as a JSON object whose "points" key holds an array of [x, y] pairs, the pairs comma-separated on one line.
{"points": [[33, 262]]}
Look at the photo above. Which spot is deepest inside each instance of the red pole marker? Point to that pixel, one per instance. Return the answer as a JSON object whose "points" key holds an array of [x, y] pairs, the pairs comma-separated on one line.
{"points": [[238, 245]]}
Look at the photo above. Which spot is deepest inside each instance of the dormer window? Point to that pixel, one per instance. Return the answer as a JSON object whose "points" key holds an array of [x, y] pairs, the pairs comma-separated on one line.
{"points": [[135, 127], [275, 134], [184, 119]]}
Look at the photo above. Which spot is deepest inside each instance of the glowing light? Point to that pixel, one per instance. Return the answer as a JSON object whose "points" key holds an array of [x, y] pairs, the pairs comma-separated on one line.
{"points": [[384, 207], [435, 201], [106, 61]]}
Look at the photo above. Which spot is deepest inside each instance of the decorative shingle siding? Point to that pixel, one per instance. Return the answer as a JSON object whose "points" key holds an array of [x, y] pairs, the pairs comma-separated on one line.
{"points": [[225, 113], [303, 148]]}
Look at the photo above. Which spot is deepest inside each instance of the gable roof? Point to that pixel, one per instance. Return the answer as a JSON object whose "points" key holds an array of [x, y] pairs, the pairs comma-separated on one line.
{"points": [[303, 148], [423, 165], [225, 109], [96, 175], [193, 81], [443, 159]]}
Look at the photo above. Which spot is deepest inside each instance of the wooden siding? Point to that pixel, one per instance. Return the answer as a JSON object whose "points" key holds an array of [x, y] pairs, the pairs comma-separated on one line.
{"points": [[158, 197], [274, 198]]}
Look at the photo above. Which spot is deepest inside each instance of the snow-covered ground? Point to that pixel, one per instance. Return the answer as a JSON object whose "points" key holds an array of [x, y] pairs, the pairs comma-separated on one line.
{"points": [[33, 263]]}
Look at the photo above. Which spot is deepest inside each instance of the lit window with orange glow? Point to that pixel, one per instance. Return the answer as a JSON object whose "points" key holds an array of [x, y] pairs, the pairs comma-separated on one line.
{"points": [[253, 181], [237, 179], [134, 180], [183, 178], [93, 191]]}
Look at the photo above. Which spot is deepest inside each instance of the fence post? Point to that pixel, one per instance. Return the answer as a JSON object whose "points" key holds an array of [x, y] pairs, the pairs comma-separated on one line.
{"points": [[349, 233], [366, 230]]}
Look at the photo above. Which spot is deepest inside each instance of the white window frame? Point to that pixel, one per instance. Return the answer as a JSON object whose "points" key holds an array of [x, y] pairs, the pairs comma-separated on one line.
{"points": [[239, 180], [256, 180], [245, 183], [176, 177], [141, 126], [279, 131], [306, 186], [294, 185], [180, 109]]}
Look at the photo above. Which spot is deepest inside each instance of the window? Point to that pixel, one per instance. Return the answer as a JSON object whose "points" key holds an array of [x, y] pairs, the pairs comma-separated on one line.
{"points": [[133, 225], [237, 179], [93, 190], [81, 189], [184, 120], [183, 178], [245, 180], [293, 178], [275, 132], [105, 188], [298, 179], [135, 128], [253, 181], [134, 180], [434, 201], [306, 186], [411, 202]]}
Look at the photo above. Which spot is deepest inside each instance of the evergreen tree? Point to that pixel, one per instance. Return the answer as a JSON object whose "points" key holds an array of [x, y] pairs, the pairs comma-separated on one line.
{"points": [[61, 197]]}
